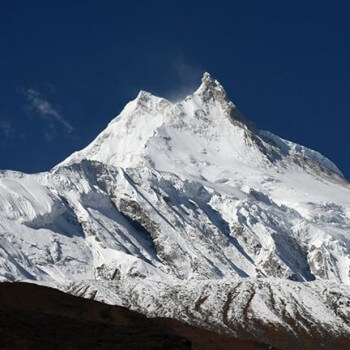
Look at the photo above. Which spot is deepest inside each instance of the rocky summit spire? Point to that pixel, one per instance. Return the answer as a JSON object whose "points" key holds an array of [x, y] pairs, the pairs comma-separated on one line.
{"points": [[211, 89]]}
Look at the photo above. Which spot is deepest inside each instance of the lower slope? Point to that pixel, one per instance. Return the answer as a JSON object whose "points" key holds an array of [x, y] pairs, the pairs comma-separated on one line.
{"points": [[287, 315], [37, 317]]}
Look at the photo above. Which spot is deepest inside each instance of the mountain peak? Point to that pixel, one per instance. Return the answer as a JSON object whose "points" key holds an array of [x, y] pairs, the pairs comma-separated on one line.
{"points": [[167, 136], [147, 102], [211, 89], [207, 78], [143, 99], [143, 95]]}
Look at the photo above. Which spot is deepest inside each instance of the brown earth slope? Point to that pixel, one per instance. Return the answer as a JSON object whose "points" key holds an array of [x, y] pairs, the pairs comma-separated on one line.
{"points": [[36, 317]]}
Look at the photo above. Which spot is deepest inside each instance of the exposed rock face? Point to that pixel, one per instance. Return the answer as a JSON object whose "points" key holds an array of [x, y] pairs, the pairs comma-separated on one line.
{"points": [[202, 211]]}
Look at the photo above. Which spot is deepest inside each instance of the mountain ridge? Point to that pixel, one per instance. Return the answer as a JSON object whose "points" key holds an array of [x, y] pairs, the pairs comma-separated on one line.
{"points": [[210, 94]]}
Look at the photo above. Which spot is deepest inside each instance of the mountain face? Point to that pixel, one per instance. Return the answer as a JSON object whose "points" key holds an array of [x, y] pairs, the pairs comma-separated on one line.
{"points": [[187, 210]]}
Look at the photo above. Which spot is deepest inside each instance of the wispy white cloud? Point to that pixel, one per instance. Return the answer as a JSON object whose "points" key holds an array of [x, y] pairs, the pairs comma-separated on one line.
{"points": [[45, 110], [189, 77], [6, 128]]}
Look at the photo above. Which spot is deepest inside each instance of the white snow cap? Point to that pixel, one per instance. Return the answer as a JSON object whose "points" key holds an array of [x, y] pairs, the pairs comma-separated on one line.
{"points": [[202, 133]]}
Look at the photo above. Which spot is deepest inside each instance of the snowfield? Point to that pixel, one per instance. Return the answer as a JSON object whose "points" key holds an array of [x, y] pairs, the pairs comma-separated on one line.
{"points": [[186, 210]]}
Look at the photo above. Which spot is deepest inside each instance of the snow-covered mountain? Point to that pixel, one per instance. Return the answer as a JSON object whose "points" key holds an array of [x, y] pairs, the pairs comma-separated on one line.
{"points": [[187, 210]]}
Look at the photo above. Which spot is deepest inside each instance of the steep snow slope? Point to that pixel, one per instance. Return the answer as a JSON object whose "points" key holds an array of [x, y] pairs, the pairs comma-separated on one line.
{"points": [[185, 194]]}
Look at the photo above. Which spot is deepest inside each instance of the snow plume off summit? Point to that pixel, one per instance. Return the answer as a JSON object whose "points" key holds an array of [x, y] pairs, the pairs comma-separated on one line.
{"points": [[186, 210]]}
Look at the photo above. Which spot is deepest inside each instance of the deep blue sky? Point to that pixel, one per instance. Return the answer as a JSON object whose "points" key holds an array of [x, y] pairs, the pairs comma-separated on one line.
{"points": [[68, 67]]}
